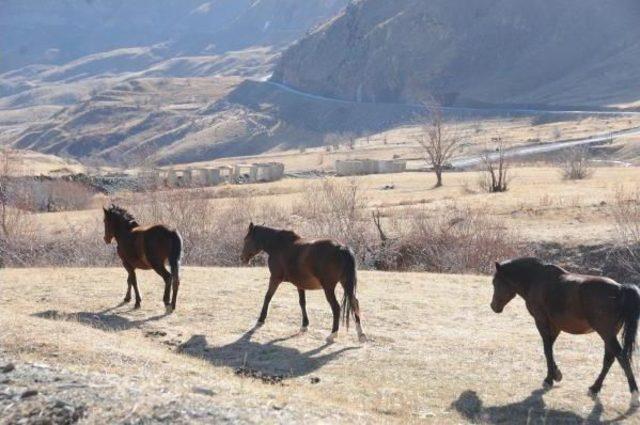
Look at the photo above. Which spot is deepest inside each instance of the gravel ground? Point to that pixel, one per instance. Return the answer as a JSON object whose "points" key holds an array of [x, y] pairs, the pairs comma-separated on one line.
{"points": [[33, 393]]}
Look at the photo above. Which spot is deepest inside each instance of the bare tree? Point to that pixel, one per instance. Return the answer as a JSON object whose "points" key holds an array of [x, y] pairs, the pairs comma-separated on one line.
{"points": [[438, 140], [496, 167]]}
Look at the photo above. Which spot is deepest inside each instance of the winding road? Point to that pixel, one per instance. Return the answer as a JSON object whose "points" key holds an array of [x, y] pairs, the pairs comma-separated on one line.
{"points": [[523, 151], [470, 161], [461, 109]]}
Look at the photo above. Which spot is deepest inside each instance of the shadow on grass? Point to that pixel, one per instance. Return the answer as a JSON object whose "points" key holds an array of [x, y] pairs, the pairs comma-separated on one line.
{"points": [[101, 320], [531, 410], [268, 360]]}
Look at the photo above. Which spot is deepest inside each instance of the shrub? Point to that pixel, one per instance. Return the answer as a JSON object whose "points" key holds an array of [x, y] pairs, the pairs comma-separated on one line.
{"points": [[626, 214], [575, 165], [456, 240]]}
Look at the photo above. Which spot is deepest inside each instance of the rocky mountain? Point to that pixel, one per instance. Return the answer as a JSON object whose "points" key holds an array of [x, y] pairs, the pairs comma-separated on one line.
{"points": [[169, 78], [552, 52], [56, 32], [101, 78]]}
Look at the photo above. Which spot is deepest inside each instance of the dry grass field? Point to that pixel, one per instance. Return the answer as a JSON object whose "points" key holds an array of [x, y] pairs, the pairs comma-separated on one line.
{"points": [[402, 141], [540, 205], [437, 353]]}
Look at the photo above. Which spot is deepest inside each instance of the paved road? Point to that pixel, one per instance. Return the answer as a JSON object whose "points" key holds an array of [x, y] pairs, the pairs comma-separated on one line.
{"points": [[544, 148], [513, 153], [497, 111]]}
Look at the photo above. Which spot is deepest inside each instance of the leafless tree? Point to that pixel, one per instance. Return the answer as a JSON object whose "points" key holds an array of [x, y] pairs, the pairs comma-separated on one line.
{"points": [[496, 167], [438, 140]]}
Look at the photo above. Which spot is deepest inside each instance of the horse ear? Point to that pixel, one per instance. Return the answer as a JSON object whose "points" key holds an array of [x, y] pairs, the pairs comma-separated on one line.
{"points": [[251, 226], [498, 266]]}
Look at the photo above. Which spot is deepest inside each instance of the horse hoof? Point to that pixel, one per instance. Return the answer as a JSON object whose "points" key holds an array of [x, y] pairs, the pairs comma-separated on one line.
{"points": [[363, 338], [168, 309], [557, 376], [259, 324], [547, 384], [635, 400], [137, 306], [332, 338], [126, 300], [304, 329], [593, 393]]}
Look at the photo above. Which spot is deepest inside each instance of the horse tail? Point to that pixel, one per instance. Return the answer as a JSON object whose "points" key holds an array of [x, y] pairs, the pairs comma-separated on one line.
{"points": [[175, 256], [630, 316], [350, 305]]}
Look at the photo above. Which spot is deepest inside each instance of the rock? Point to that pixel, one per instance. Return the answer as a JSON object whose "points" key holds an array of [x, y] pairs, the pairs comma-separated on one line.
{"points": [[29, 393], [203, 391], [314, 380], [7, 368]]}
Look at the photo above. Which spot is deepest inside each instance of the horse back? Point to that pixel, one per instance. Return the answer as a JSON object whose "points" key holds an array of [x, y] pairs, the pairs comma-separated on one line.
{"points": [[151, 245], [575, 300], [310, 263]]}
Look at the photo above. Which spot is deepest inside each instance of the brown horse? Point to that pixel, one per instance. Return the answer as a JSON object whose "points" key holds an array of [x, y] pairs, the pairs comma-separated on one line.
{"points": [[144, 248], [309, 265], [577, 304]]}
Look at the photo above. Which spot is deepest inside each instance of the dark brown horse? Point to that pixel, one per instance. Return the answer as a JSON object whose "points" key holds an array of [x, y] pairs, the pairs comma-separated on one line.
{"points": [[145, 248], [309, 265], [577, 304]]}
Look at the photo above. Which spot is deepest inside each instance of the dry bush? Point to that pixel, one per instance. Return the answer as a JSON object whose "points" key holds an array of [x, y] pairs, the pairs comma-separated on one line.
{"points": [[626, 214], [575, 164], [212, 235], [495, 178], [457, 240], [334, 208], [55, 195]]}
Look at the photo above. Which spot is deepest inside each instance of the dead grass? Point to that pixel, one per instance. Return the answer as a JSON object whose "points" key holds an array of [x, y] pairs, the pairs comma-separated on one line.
{"points": [[437, 352], [402, 142], [540, 205]]}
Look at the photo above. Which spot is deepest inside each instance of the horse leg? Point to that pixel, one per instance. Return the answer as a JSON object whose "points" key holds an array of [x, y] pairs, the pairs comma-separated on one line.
{"points": [[127, 296], [615, 347], [356, 313], [609, 357], [166, 276], [132, 281], [273, 285], [175, 285], [329, 292], [303, 306], [549, 334]]}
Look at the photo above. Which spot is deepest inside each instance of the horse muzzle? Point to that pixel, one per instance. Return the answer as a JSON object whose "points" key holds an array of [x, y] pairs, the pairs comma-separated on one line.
{"points": [[496, 309]]}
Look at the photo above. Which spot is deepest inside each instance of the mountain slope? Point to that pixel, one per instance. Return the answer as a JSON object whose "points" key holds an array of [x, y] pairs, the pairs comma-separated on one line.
{"points": [[554, 52], [56, 32]]}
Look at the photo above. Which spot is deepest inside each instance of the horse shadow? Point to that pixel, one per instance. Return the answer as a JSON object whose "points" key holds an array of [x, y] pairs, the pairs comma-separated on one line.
{"points": [[266, 360], [104, 320], [531, 410]]}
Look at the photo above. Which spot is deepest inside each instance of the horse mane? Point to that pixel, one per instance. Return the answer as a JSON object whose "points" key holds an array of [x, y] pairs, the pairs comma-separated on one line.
{"points": [[530, 265], [270, 235], [121, 215]]}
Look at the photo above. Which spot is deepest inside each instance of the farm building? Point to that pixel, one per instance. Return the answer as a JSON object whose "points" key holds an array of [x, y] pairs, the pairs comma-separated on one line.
{"points": [[202, 177], [355, 167]]}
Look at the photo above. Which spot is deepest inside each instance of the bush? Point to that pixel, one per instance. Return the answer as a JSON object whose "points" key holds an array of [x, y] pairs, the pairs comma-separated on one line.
{"points": [[575, 165], [335, 208], [626, 214], [454, 240], [457, 240]]}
